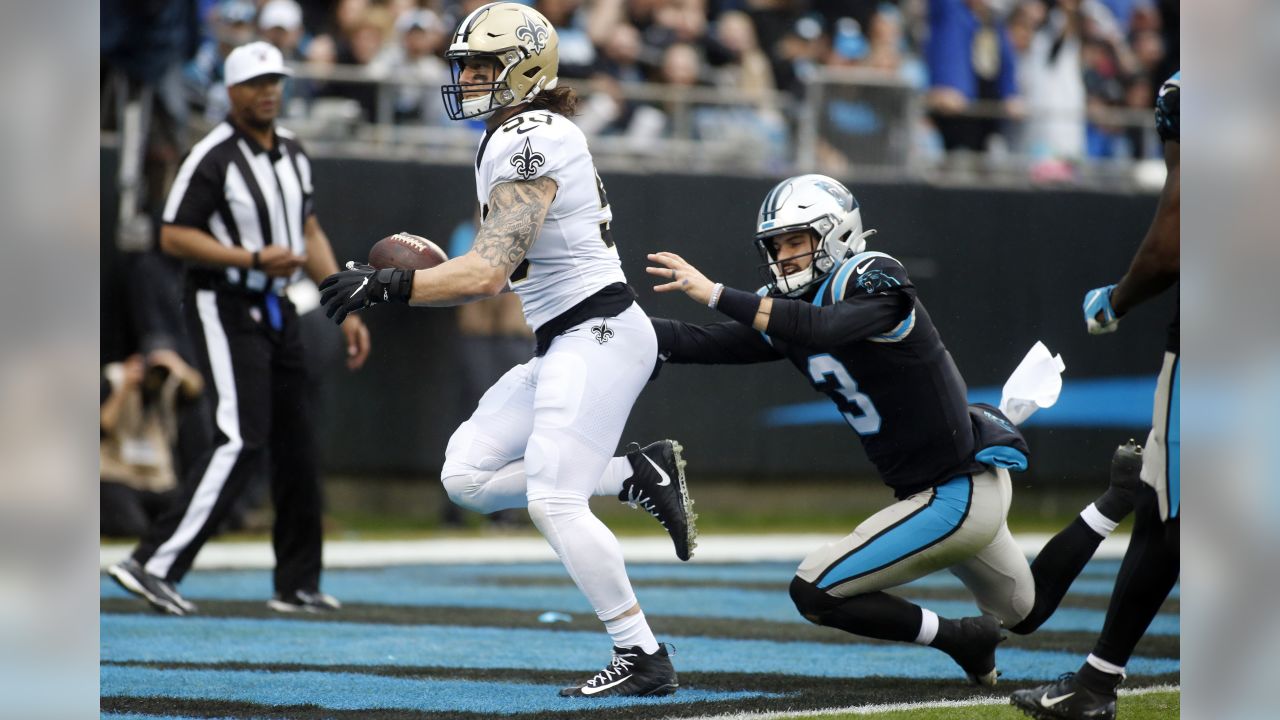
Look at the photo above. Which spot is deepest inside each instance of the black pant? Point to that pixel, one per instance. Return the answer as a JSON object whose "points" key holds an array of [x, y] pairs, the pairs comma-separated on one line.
{"points": [[258, 396]]}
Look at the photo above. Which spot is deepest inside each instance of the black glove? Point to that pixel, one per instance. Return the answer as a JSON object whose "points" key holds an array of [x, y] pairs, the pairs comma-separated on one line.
{"points": [[360, 286]]}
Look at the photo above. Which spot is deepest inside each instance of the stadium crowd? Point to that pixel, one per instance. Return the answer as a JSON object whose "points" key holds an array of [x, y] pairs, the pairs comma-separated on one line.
{"points": [[1040, 78]]}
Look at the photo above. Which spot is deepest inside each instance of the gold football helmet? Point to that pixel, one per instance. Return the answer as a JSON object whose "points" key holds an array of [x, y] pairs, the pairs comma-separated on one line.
{"points": [[520, 40]]}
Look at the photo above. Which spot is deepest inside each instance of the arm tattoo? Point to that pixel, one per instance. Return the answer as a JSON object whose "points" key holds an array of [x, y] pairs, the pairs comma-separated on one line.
{"points": [[516, 212]]}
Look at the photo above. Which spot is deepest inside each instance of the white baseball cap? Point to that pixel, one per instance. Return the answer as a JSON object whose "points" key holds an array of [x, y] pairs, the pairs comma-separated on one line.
{"points": [[280, 13], [253, 60]]}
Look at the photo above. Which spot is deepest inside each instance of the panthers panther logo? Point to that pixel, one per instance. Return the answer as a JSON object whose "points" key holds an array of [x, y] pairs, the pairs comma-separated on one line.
{"points": [[534, 35], [876, 280]]}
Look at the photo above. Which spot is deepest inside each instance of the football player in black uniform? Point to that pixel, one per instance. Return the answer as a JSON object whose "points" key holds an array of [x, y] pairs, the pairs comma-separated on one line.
{"points": [[851, 322], [1151, 564]]}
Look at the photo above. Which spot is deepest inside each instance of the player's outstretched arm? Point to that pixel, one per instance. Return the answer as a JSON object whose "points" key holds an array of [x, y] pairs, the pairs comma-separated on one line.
{"points": [[516, 213], [1155, 266]]}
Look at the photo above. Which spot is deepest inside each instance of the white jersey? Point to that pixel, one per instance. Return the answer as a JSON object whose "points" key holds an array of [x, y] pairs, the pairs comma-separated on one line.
{"points": [[573, 257]]}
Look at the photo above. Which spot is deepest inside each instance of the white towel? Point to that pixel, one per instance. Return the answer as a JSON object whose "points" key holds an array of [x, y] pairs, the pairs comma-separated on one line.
{"points": [[1035, 384]]}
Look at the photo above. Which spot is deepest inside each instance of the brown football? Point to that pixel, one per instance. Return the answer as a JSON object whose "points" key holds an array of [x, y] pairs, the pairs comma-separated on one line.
{"points": [[405, 251]]}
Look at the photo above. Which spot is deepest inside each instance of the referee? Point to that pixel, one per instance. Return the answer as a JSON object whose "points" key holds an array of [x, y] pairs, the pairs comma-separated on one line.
{"points": [[241, 214]]}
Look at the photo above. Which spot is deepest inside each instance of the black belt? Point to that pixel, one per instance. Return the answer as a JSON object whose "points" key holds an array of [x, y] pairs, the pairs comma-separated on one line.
{"points": [[205, 280], [609, 301]]}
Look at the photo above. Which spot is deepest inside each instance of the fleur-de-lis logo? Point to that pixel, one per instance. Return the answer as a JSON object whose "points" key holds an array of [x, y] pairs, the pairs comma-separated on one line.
{"points": [[602, 331], [526, 162], [532, 34]]}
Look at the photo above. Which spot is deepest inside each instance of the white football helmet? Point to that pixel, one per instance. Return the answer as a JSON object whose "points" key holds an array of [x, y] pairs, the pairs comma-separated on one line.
{"points": [[824, 207], [520, 40]]}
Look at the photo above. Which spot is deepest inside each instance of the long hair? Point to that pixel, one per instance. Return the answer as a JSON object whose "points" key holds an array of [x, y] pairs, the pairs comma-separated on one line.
{"points": [[562, 101]]}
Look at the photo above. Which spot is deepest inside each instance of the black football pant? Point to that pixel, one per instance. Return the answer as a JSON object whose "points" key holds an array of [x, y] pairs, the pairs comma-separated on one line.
{"points": [[258, 396], [1147, 574]]}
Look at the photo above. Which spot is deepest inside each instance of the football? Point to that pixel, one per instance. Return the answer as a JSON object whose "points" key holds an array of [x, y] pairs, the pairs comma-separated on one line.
{"points": [[405, 251]]}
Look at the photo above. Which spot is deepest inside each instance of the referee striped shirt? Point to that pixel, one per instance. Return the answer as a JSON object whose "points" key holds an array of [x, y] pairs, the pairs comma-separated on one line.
{"points": [[244, 196]]}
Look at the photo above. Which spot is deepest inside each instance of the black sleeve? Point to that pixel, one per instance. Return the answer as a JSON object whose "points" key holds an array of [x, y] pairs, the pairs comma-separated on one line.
{"points": [[716, 344], [195, 194], [844, 323], [871, 294]]}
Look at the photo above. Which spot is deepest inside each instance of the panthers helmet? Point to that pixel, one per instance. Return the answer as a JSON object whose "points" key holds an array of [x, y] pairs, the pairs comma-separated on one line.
{"points": [[520, 40], [817, 204]]}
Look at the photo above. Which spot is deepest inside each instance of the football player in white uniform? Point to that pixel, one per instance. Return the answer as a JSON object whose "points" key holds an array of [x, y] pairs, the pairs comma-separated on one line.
{"points": [[544, 434]]}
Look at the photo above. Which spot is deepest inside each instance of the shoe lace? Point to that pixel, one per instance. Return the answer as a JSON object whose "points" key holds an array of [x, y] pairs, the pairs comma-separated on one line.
{"points": [[636, 497], [616, 669]]}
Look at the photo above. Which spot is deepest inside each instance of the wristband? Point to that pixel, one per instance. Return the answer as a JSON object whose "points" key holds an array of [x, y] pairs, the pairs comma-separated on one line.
{"points": [[397, 284], [715, 295], [739, 305], [257, 260]]}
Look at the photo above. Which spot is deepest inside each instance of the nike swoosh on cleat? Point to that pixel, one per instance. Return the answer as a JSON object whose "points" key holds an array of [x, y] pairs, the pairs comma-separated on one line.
{"points": [[863, 268], [592, 691], [666, 479], [1046, 701]]}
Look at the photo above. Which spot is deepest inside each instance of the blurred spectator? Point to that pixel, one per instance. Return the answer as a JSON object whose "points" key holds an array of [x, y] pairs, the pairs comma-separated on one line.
{"points": [[280, 23], [744, 68], [230, 23], [143, 47], [887, 50], [415, 63], [605, 110], [970, 61], [139, 425], [577, 53], [1052, 79], [797, 55], [1110, 70], [365, 36], [848, 44]]}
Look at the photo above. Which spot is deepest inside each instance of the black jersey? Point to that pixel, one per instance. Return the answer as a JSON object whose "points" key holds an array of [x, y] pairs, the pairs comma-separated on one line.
{"points": [[865, 340]]}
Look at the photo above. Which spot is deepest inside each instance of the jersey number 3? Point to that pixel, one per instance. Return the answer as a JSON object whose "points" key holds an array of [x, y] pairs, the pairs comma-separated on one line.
{"points": [[857, 408]]}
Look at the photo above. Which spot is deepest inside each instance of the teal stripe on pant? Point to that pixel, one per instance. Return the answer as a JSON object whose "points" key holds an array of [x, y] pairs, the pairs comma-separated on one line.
{"points": [[924, 528]]}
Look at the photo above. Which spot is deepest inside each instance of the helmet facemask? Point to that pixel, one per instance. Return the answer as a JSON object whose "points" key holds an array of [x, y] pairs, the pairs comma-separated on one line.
{"points": [[524, 48], [795, 284]]}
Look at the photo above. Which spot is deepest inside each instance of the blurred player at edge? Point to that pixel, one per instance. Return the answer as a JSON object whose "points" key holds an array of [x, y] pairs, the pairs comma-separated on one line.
{"points": [[543, 435], [850, 321], [1152, 563]]}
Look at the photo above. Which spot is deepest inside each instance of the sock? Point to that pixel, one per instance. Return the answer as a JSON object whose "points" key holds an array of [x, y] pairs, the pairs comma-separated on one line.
{"points": [[1099, 521], [632, 631], [615, 473], [1099, 675], [876, 615], [928, 627], [1115, 504], [1147, 574], [1057, 566]]}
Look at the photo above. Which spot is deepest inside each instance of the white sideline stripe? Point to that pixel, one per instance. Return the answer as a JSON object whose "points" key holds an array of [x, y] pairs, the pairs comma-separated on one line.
{"points": [[898, 707], [532, 548]]}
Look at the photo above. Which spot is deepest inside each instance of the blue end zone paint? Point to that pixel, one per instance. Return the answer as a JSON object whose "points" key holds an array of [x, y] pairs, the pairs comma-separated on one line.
{"points": [[353, 691], [1106, 402], [387, 588], [926, 527], [210, 640]]}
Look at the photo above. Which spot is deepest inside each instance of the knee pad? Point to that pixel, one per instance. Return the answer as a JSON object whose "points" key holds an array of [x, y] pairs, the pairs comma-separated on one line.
{"points": [[462, 490], [811, 602]]}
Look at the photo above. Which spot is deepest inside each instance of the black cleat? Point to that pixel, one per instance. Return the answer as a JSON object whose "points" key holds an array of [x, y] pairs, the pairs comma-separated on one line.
{"points": [[633, 673], [657, 484], [972, 642], [303, 601], [158, 592], [1065, 699], [1126, 469]]}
